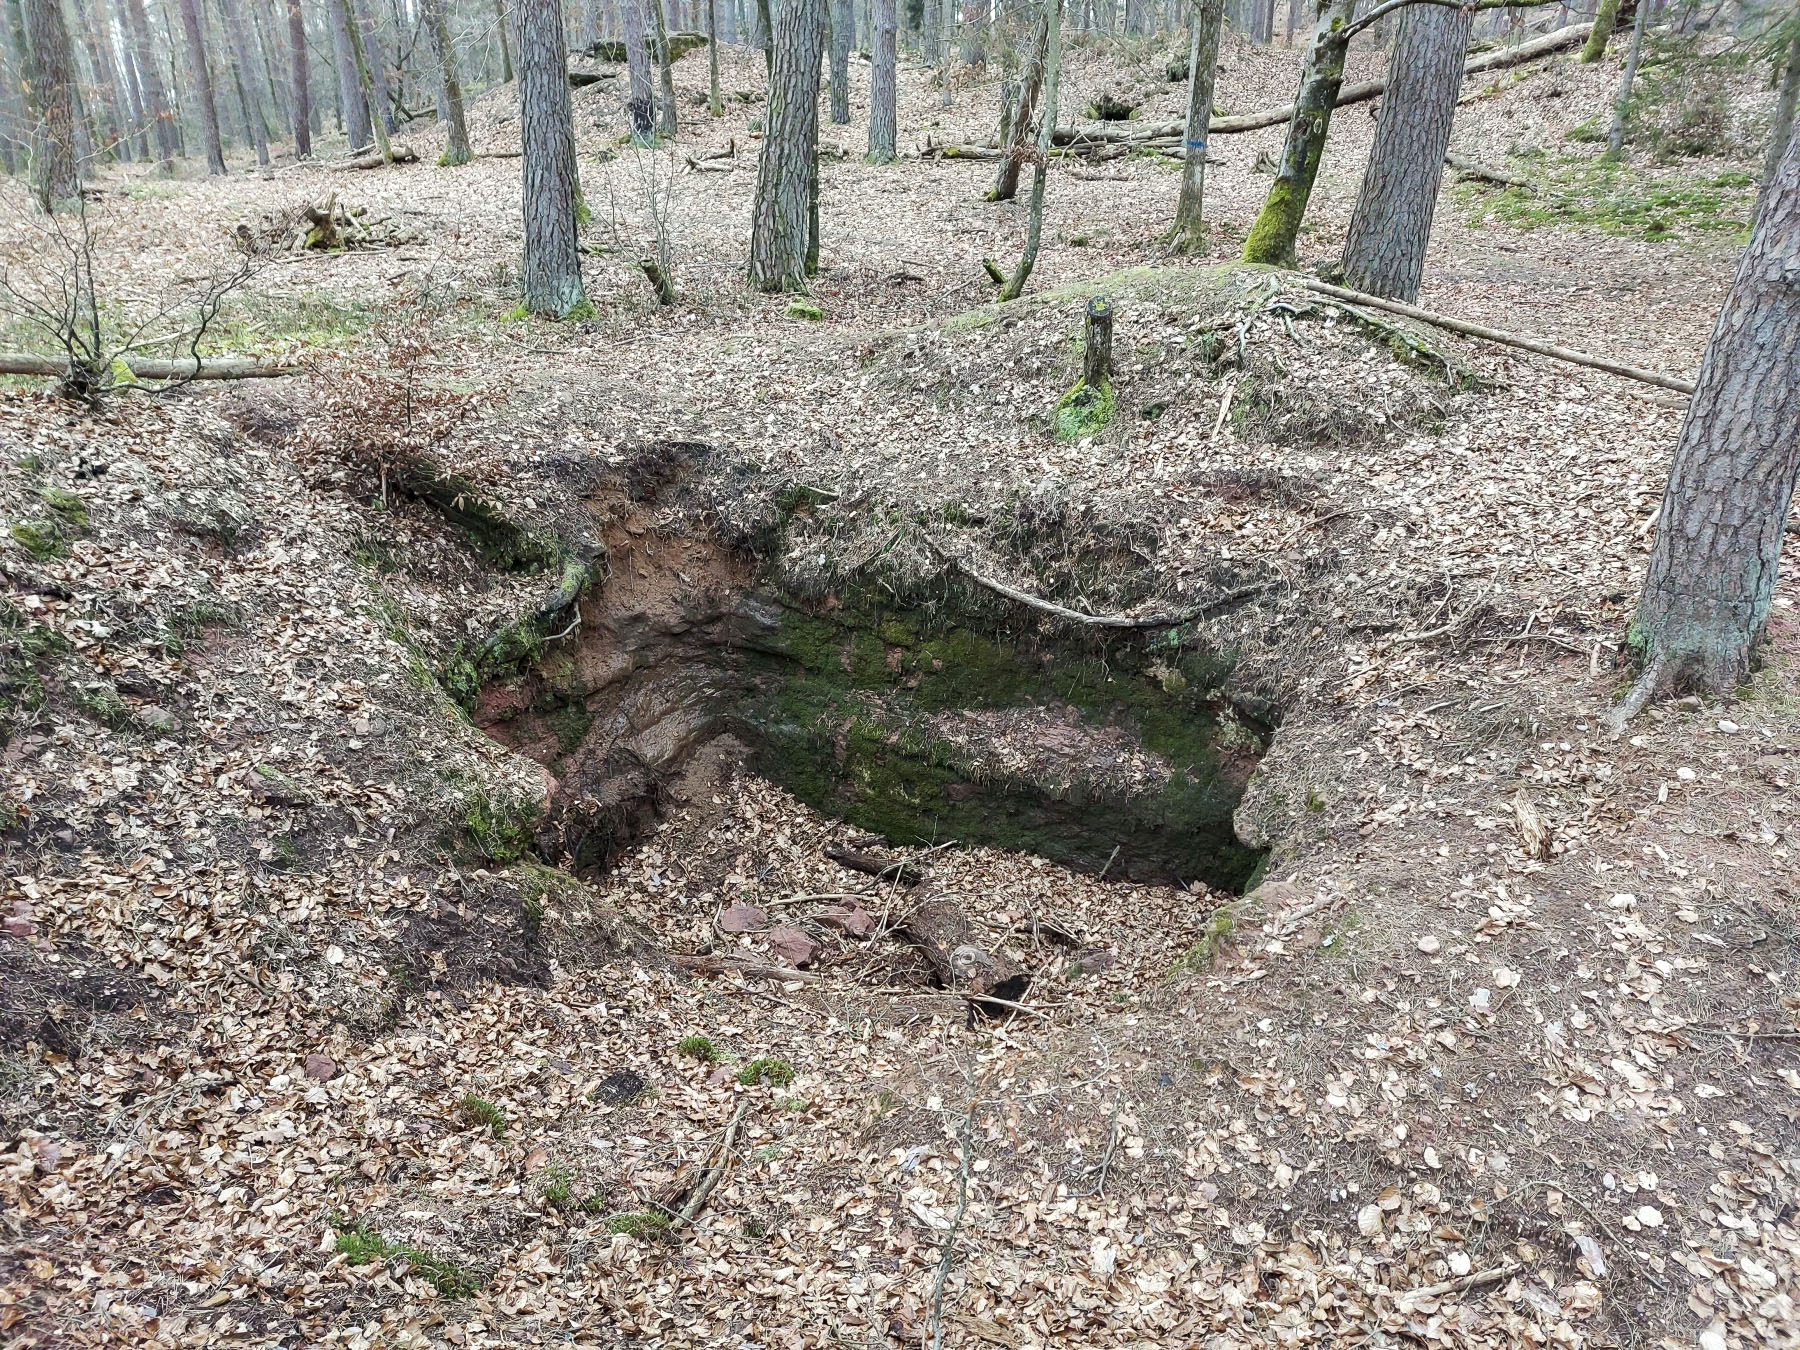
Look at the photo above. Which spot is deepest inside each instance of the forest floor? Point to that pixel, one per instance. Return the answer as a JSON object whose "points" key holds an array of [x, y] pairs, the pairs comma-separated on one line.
{"points": [[296, 1048]]}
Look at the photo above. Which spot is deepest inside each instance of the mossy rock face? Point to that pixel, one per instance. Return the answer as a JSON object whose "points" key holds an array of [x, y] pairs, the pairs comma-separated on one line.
{"points": [[924, 730]]}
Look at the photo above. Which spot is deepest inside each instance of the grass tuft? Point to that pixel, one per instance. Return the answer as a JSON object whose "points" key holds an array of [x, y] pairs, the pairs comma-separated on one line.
{"points": [[775, 1071], [698, 1047], [476, 1110]]}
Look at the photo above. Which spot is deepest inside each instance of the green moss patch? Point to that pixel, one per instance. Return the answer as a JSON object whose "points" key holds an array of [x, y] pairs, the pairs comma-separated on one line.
{"points": [[1619, 199]]}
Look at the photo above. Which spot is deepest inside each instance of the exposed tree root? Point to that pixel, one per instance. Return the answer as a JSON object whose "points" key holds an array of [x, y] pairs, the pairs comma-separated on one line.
{"points": [[1620, 715]]}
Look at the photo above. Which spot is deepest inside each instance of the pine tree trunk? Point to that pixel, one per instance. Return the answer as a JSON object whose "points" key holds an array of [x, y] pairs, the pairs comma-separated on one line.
{"points": [[1781, 126], [779, 224], [203, 85], [946, 34], [379, 82], [843, 33], [302, 96], [244, 57], [1034, 227], [1601, 33], [1189, 234], [357, 122], [155, 97], [715, 105], [1391, 227], [110, 116], [765, 27], [552, 188], [456, 131], [641, 108], [1615, 135], [365, 81], [1719, 533], [136, 103], [1019, 133], [883, 114], [56, 171], [506, 61], [666, 122], [1271, 238]]}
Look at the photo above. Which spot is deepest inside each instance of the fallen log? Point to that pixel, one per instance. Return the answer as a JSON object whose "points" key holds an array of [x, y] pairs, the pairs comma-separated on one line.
{"points": [[1476, 330], [962, 964], [873, 864], [1474, 168], [1499, 59], [401, 154], [146, 368]]}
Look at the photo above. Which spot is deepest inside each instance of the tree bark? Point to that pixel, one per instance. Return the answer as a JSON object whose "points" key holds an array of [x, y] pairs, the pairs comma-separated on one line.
{"points": [[1391, 227], [1020, 134], [456, 134], [156, 99], [244, 58], [1034, 227], [1718, 538], [843, 32], [56, 174], [366, 29], [302, 97], [1615, 135], [883, 112], [1781, 126], [203, 85], [1271, 238], [666, 122], [365, 81], [765, 27], [1189, 233], [641, 108], [715, 105], [355, 105], [506, 61], [106, 75], [552, 187], [1601, 33], [779, 233]]}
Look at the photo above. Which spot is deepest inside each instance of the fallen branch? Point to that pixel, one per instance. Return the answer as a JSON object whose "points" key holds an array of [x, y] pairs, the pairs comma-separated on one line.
{"points": [[1099, 620], [712, 965], [717, 1174], [1473, 168], [401, 155], [1506, 339], [1457, 1286], [875, 865], [145, 368], [1501, 59]]}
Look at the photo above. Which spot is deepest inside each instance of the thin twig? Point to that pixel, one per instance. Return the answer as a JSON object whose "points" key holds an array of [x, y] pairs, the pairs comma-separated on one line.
{"points": [[1112, 1143], [712, 1178], [948, 1259]]}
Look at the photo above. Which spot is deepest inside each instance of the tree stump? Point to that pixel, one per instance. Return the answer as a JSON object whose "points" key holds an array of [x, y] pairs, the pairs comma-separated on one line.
{"points": [[1096, 356]]}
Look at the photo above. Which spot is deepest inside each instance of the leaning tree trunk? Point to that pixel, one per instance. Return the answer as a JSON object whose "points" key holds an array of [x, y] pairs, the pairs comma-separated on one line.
{"points": [[1271, 238], [1719, 532], [1019, 133], [1601, 33], [203, 86], [641, 109], [667, 125], [1389, 231], [884, 125], [552, 187], [1034, 226], [456, 135], [302, 98], [156, 98], [779, 233], [57, 173], [1615, 135], [1189, 233], [357, 122], [244, 56], [843, 32], [1781, 126]]}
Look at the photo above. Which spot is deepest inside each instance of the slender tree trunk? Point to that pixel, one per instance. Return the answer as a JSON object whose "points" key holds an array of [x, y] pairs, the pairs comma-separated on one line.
{"points": [[365, 82], [946, 34], [765, 27], [137, 105], [355, 104], [456, 131], [843, 33], [1601, 33], [1781, 127], [106, 76], [244, 55], [641, 109], [883, 117], [552, 186], [56, 172], [1719, 533], [780, 233], [379, 86], [203, 85], [1020, 133], [156, 101], [1034, 227], [715, 105], [1615, 135], [506, 61], [1391, 227], [666, 123], [1189, 234], [302, 96], [1272, 237]]}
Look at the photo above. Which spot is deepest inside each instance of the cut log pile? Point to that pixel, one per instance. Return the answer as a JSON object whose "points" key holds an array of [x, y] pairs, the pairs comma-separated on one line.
{"points": [[331, 226]]}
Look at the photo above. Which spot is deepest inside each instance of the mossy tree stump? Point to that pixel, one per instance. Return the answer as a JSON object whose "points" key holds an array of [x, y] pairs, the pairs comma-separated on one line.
{"points": [[1089, 405]]}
